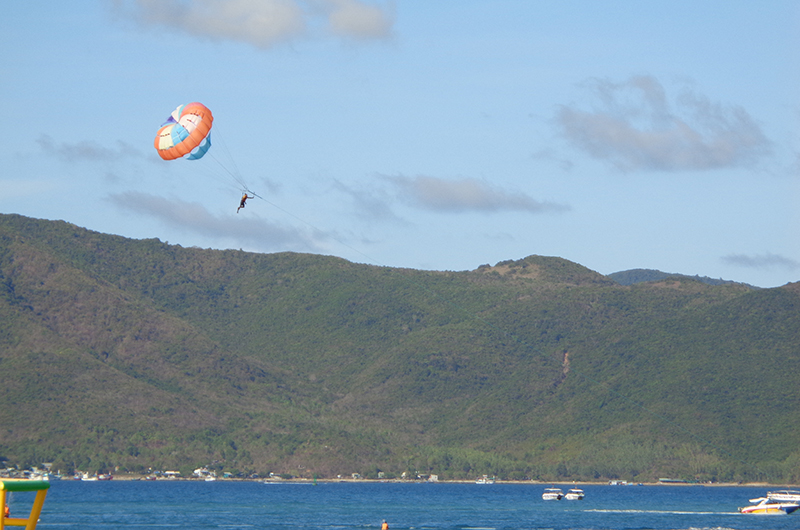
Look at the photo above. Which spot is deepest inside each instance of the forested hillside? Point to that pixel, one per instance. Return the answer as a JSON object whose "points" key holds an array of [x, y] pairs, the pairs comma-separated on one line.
{"points": [[119, 353], [633, 276]]}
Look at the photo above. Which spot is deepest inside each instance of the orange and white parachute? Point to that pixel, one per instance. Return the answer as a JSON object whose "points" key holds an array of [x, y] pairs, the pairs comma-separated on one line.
{"points": [[186, 133]]}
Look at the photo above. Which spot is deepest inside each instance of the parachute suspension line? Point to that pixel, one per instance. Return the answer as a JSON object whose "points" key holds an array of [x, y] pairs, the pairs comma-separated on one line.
{"points": [[222, 146], [221, 178], [229, 163], [237, 178], [339, 240]]}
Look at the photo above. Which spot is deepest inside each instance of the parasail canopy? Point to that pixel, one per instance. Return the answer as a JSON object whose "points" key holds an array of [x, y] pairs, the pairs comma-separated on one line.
{"points": [[186, 133]]}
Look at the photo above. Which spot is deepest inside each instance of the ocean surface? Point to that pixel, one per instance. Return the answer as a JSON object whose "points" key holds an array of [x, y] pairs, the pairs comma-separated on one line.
{"points": [[362, 506]]}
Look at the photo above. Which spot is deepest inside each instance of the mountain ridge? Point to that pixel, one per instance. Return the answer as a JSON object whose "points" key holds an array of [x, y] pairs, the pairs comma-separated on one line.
{"points": [[632, 276], [138, 354]]}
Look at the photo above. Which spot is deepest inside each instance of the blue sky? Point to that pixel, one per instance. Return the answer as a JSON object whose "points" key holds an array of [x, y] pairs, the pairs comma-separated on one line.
{"points": [[430, 135]]}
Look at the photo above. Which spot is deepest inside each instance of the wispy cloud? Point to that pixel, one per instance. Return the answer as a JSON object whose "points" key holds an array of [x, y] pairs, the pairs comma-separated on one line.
{"points": [[635, 126], [234, 231], [264, 23], [465, 195], [356, 19], [762, 261], [88, 151], [368, 203]]}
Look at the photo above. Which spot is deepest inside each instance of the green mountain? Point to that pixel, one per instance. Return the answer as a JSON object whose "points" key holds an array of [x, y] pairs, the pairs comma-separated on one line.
{"points": [[633, 276], [126, 354]]}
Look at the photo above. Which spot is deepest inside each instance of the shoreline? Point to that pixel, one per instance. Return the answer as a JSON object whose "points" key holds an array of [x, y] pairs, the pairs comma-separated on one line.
{"points": [[129, 477]]}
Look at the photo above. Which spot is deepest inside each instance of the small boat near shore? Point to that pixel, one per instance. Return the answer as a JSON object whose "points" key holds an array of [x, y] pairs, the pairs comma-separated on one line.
{"points": [[575, 494], [552, 494]]}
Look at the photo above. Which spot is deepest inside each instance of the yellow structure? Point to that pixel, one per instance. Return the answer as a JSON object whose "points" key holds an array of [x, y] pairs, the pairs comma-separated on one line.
{"points": [[39, 486]]}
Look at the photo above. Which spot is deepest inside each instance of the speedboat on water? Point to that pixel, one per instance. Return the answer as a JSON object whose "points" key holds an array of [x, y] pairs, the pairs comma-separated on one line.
{"points": [[767, 506], [552, 494], [575, 494]]}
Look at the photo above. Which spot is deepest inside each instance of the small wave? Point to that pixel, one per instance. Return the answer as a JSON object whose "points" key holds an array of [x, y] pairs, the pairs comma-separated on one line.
{"points": [[666, 512]]}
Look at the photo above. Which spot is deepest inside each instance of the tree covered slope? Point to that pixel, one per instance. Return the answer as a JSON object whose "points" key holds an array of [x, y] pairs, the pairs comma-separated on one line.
{"points": [[137, 354]]}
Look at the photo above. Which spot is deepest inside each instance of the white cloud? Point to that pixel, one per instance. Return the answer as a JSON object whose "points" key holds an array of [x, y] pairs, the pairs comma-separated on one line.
{"points": [[466, 194], [262, 23], [636, 126], [235, 230], [762, 261], [356, 19]]}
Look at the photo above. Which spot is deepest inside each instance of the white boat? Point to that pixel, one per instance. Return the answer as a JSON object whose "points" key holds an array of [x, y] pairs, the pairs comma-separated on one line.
{"points": [[766, 506], [575, 494], [552, 494], [784, 496], [485, 480]]}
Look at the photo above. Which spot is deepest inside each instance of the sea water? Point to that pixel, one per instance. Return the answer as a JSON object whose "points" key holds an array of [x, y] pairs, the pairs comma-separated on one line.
{"points": [[176, 504]]}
